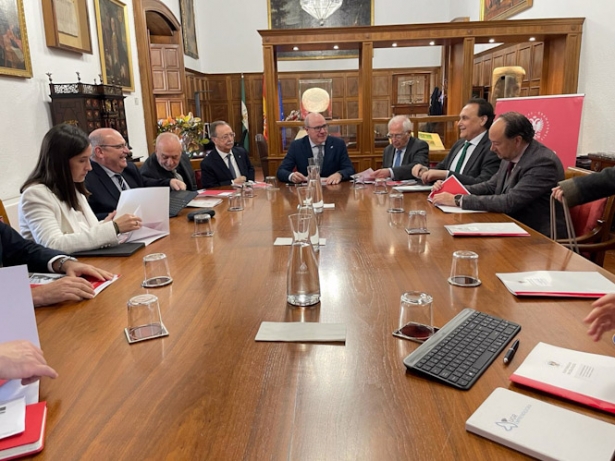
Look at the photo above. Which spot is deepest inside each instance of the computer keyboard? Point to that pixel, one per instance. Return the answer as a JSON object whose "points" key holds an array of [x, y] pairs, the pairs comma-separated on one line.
{"points": [[178, 199], [463, 349]]}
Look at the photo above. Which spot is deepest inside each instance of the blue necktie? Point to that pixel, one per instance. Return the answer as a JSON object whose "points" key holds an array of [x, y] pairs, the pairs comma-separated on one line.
{"points": [[397, 160]]}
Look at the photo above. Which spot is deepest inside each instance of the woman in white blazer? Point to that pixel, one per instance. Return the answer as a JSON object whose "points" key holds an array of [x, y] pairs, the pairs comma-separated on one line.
{"points": [[53, 209]]}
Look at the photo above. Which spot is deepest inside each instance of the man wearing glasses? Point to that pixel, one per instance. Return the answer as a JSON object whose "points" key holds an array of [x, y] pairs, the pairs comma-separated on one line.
{"points": [[329, 151], [226, 164], [111, 172], [404, 152]]}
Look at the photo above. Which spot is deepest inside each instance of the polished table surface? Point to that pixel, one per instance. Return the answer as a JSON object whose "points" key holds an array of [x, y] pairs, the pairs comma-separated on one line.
{"points": [[209, 391]]}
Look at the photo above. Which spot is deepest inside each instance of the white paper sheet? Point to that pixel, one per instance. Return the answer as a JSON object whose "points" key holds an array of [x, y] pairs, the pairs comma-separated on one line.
{"points": [[151, 204], [287, 241], [456, 209], [502, 229], [557, 284], [301, 332]]}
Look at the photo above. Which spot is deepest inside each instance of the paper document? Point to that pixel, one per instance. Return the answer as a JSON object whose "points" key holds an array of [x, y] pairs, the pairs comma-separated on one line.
{"points": [[557, 283], [488, 229], [204, 202], [17, 322], [301, 332], [541, 430], [151, 204], [413, 188], [12, 417], [450, 185], [578, 376], [215, 193], [456, 209], [287, 241]]}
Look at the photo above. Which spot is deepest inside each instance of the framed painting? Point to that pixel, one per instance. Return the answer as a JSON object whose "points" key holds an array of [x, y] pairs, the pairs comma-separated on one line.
{"points": [[14, 49], [114, 43], [186, 8], [290, 14], [66, 25], [492, 10]]}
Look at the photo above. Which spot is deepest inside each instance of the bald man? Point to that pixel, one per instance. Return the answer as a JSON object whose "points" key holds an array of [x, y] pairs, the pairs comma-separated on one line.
{"points": [[169, 165]]}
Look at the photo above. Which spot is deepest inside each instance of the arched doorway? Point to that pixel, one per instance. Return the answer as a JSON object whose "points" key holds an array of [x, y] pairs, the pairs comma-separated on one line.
{"points": [[161, 62]]}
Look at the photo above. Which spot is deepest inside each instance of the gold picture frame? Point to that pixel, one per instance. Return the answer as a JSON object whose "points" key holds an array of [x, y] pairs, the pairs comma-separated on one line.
{"points": [[14, 49], [114, 43], [186, 8], [493, 10], [66, 25]]}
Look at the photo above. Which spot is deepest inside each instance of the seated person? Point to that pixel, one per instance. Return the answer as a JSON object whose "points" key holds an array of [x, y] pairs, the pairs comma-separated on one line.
{"points": [[53, 209], [15, 250], [336, 164], [583, 189], [23, 360], [169, 165], [225, 165], [471, 159], [111, 172], [404, 152], [522, 186]]}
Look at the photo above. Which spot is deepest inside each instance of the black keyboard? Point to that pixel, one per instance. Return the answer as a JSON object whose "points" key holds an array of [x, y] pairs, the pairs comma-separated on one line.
{"points": [[178, 200], [463, 349]]}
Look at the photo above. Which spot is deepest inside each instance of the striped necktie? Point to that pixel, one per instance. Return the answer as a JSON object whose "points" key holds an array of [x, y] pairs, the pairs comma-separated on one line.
{"points": [[121, 182]]}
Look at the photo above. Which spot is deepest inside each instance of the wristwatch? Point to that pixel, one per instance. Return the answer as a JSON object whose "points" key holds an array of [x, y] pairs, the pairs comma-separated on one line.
{"points": [[63, 260], [458, 200]]}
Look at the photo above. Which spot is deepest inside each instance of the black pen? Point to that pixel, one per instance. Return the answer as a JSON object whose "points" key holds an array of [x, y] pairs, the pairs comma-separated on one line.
{"points": [[510, 353]]}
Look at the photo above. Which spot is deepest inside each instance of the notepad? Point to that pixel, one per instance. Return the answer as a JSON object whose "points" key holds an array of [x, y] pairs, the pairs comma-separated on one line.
{"points": [[565, 284], [487, 229], [32, 439], [301, 332], [540, 429]]}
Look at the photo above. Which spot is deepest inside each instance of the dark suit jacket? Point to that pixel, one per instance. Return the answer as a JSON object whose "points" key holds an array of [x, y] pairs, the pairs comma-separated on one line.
{"points": [[583, 189], [527, 197], [215, 172], [417, 152], [336, 159], [480, 167], [152, 170], [104, 193], [15, 250]]}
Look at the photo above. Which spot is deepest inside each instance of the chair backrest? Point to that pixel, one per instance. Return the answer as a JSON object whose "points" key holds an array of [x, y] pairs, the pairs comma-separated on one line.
{"points": [[4, 217], [263, 153]]}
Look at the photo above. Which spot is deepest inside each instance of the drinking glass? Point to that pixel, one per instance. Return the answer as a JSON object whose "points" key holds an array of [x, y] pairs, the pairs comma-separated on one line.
{"points": [[156, 269], [416, 315], [144, 321], [464, 269]]}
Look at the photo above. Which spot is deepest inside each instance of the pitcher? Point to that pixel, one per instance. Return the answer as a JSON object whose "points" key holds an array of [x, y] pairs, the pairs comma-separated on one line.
{"points": [[303, 284], [305, 194], [314, 181]]}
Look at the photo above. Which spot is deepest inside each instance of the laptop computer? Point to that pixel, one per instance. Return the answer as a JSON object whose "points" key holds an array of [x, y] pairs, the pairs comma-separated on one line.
{"points": [[178, 200]]}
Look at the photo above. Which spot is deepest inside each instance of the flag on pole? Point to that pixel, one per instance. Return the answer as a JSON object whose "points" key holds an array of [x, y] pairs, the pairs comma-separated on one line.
{"points": [[265, 131], [245, 126]]}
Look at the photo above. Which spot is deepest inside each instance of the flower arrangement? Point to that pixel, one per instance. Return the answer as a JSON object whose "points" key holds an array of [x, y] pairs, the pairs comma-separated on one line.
{"points": [[190, 130]]}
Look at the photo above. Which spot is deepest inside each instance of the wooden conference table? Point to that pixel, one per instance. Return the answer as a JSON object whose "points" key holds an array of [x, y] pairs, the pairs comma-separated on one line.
{"points": [[209, 391]]}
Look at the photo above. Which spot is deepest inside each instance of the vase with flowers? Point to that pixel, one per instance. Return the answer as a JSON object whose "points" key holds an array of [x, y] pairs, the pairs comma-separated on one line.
{"points": [[189, 129]]}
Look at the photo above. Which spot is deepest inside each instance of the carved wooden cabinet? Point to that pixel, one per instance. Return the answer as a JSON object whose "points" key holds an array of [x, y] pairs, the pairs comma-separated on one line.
{"points": [[89, 106]]}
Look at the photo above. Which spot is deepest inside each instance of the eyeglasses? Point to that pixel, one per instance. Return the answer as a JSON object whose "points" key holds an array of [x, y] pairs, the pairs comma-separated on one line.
{"points": [[115, 146], [318, 128], [226, 136], [396, 135]]}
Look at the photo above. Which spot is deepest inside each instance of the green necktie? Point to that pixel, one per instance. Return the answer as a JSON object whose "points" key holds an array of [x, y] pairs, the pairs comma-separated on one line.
{"points": [[462, 157]]}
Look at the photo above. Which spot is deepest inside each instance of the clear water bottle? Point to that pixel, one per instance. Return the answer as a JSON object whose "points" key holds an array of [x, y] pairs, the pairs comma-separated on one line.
{"points": [[303, 284], [305, 194], [314, 181]]}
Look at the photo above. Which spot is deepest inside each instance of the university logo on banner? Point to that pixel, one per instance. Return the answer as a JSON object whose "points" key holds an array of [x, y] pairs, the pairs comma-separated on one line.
{"points": [[556, 120]]}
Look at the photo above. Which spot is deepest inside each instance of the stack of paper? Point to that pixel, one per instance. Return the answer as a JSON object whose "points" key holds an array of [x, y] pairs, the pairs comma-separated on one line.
{"points": [[151, 204], [578, 376], [24, 428], [557, 283], [487, 229], [541, 430]]}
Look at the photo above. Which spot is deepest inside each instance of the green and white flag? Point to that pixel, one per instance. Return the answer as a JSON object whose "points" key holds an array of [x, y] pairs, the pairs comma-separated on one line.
{"points": [[245, 126]]}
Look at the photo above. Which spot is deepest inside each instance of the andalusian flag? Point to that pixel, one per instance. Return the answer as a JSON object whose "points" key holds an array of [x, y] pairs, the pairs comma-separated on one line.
{"points": [[245, 126], [265, 130]]}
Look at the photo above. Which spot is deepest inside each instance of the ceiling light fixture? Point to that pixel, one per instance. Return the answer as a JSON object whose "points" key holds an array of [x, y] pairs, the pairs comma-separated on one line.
{"points": [[320, 9]]}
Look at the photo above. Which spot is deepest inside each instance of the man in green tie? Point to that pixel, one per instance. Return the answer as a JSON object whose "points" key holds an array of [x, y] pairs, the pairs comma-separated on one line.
{"points": [[470, 159]]}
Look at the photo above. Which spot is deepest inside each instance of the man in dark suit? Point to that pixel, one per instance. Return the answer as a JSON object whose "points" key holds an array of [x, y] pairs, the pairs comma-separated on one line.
{"points": [[15, 250], [111, 172], [169, 166], [521, 188], [330, 152], [470, 159], [225, 164], [404, 152]]}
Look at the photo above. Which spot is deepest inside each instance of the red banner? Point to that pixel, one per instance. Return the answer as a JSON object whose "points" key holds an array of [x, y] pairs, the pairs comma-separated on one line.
{"points": [[556, 120]]}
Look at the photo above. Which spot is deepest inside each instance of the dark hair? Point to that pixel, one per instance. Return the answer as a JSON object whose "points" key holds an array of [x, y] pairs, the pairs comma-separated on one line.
{"points": [[60, 144], [484, 109], [518, 125]]}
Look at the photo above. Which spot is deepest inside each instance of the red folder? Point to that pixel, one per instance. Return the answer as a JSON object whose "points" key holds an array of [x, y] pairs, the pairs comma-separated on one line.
{"points": [[32, 439], [452, 186]]}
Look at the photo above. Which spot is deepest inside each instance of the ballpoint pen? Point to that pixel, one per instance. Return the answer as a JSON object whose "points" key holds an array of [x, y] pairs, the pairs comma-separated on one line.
{"points": [[510, 353]]}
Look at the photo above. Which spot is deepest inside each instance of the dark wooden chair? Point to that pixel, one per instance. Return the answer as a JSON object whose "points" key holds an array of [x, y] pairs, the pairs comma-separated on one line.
{"points": [[263, 153], [592, 224]]}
